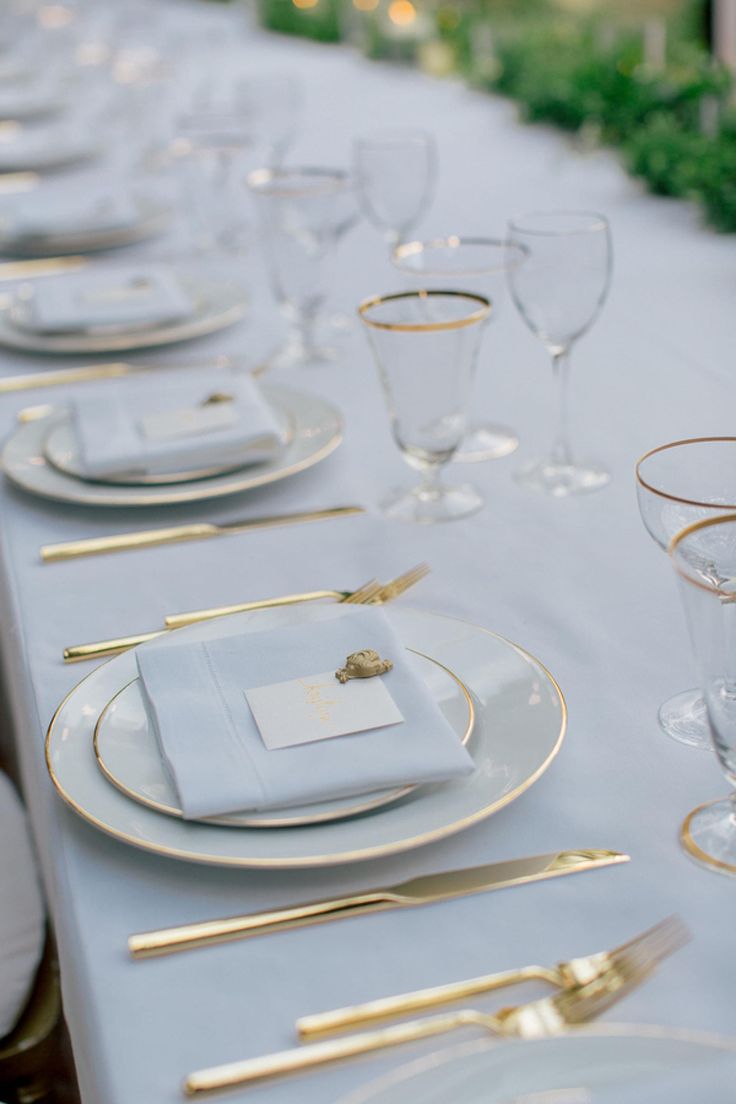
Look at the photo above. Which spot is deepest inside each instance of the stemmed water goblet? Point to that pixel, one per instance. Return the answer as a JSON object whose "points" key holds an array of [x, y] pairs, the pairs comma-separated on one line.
{"points": [[678, 484], [303, 213], [477, 264], [395, 174], [559, 292], [425, 344], [704, 557]]}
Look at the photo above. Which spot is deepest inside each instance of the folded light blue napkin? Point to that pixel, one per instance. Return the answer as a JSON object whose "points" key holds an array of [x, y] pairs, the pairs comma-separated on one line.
{"points": [[214, 752], [120, 298], [157, 424], [62, 211]]}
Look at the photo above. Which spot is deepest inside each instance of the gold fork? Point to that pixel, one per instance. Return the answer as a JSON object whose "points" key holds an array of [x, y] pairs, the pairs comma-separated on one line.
{"points": [[387, 593], [371, 592], [565, 975], [537, 1019]]}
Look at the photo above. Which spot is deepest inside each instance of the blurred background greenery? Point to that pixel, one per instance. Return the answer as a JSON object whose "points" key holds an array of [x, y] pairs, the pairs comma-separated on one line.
{"points": [[639, 75]]}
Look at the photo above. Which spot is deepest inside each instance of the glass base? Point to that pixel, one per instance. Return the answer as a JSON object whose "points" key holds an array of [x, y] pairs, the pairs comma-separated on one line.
{"points": [[708, 834], [561, 480], [424, 507], [486, 442], [294, 354], [684, 718]]}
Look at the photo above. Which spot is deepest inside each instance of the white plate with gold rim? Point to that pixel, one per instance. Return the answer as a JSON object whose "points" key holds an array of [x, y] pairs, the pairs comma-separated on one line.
{"points": [[577, 1068], [316, 432], [520, 720], [152, 219], [127, 753], [217, 304]]}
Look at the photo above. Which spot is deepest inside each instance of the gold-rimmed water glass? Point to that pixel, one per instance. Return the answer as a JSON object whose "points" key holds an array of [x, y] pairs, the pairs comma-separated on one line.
{"points": [[704, 557], [677, 484], [559, 292], [477, 264], [425, 344], [303, 213], [395, 174]]}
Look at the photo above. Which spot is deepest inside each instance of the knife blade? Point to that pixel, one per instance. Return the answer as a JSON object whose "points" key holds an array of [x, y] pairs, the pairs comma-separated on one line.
{"points": [[418, 891]]}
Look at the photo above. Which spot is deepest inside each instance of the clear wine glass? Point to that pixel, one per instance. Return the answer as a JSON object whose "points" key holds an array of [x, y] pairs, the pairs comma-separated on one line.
{"points": [[303, 212], [425, 344], [395, 174], [678, 484], [480, 265], [704, 557], [559, 292]]}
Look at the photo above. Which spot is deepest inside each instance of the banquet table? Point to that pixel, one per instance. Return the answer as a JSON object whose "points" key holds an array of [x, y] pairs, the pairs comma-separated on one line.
{"points": [[576, 582]]}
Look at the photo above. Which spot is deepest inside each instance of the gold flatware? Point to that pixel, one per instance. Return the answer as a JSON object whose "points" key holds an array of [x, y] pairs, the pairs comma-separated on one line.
{"points": [[534, 1020], [40, 266], [148, 538], [418, 891], [78, 652], [12, 182], [86, 373], [565, 975], [389, 591], [368, 593]]}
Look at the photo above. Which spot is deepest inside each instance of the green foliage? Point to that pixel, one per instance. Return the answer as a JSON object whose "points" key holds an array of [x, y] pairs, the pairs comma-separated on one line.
{"points": [[320, 22]]}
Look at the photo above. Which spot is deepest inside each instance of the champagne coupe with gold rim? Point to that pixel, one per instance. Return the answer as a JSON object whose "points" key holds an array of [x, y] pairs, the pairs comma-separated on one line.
{"points": [[395, 173], [704, 557], [425, 344], [477, 264], [559, 292], [303, 213], [678, 484]]}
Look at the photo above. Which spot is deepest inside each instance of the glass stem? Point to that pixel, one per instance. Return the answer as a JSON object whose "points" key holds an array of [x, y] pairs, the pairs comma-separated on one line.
{"points": [[561, 454], [431, 483], [305, 327]]}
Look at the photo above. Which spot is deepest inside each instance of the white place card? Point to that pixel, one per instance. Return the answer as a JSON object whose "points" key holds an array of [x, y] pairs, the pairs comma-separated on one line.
{"points": [[188, 421], [318, 707]]}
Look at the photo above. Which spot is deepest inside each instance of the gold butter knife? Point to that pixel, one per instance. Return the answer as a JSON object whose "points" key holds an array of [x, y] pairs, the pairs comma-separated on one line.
{"points": [[86, 373], [148, 538], [40, 266], [418, 891]]}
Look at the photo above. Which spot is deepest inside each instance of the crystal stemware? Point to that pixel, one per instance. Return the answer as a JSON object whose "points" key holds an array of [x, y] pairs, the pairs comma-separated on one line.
{"points": [[559, 292], [477, 264], [395, 175], [704, 557], [678, 484], [303, 212], [425, 345]]}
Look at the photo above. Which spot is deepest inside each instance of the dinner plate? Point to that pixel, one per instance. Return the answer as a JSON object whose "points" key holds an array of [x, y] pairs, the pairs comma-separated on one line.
{"points": [[50, 150], [152, 218], [217, 304], [520, 720], [317, 431], [61, 449], [128, 755], [569, 1069]]}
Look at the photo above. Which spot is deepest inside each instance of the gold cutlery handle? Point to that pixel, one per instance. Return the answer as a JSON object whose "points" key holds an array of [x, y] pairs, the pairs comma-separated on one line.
{"points": [[322, 1023], [318, 1054], [167, 940], [178, 620], [145, 538], [102, 648], [111, 370]]}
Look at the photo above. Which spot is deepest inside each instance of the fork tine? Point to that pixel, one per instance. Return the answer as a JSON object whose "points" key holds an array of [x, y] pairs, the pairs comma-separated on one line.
{"points": [[654, 945], [366, 593], [403, 582]]}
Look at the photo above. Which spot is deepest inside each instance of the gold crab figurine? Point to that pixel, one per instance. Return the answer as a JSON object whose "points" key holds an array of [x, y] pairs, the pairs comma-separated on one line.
{"points": [[363, 664]]}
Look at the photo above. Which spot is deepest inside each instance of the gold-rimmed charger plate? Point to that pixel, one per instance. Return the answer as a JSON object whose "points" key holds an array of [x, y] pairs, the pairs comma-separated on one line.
{"points": [[217, 305], [152, 220], [520, 721], [317, 432], [127, 754]]}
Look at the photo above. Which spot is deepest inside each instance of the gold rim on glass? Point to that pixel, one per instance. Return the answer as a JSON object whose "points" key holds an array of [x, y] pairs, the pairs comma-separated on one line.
{"points": [[335, 859], [689, 844], [683, 534], [404, 252], [275, 182], [275, 821], [597, 222], [483, 309], [678, 498]]}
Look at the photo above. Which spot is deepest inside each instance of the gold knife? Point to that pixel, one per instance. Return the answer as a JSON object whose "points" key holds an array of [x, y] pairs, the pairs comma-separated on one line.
{"points": [[148, 538], [418, 891], [30, 381], [40, 266]]}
